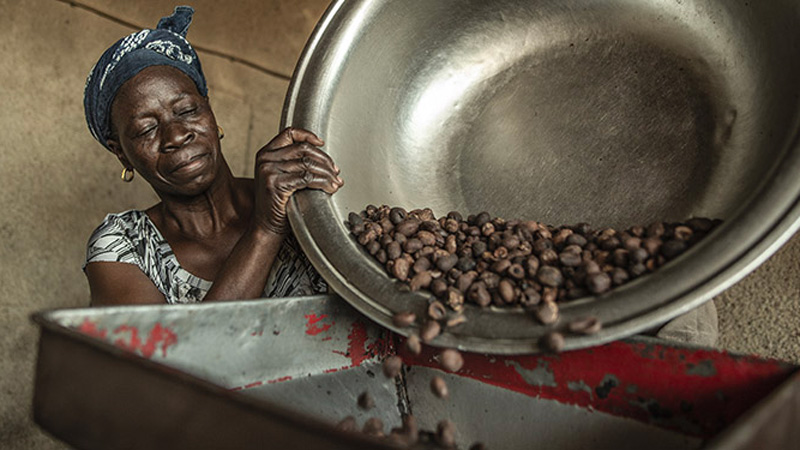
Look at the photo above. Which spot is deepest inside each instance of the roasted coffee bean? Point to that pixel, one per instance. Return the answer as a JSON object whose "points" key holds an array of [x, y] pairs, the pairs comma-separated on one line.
{"points": [[511, 243], [365, 401], [700, 224], [426, 251], [530, 298], [373, 427], [516, 271], [436, 310], [576, 239], [408, 227], [548, 257], [491, 279], [682, 232], [479, 295], [381, 256], [609, 243], [532, 266], [547, 312], [397, 215], [487, 229], [598, 282], [672, 248], [500, 253], [450, 244], [465, 280], [637, 270], [386, 225], [619, 276], [478, 248], [541, 245], [412, 246], [421, 280], [550, 276], [455, 319], [506, 291], [620, 257], [426, 237], [354, 219], [455, 215], [552, 342], [632, 243], [373, 247], [655, 230], [482, 218], [401, 267], [588, 325], [501, 266], [392, 366], [371, 210], [348, 424], [637, 256], [549, 294], [561, 237], [429, 331], [570, 259], [445, 263], [465, 264], [422, 264], [404, 318], [455, 299], [451, 360], [439, 287], [451, 226], [413, 345], [446, 434], [439, 387]]}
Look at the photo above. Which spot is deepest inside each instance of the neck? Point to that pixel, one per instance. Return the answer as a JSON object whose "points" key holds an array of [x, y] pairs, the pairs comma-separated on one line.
{"points": [[208, 213]]}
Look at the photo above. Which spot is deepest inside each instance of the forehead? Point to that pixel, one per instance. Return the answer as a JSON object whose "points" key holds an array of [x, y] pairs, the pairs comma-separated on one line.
{"points": [[152, 86]]}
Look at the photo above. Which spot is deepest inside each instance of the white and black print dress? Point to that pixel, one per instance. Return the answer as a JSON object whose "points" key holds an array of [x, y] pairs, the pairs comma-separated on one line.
{"points": [[130, 237]]}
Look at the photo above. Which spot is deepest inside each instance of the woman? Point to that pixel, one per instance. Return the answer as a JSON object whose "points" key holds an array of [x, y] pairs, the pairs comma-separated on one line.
{"points": [[212, 236]]}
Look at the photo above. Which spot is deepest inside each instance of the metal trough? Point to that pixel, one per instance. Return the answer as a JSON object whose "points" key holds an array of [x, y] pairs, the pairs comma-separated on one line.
{"points": [[280, 373]]}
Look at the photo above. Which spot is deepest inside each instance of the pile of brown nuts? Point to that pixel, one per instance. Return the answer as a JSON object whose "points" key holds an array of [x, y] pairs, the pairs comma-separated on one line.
{"points": [[487, 260]]}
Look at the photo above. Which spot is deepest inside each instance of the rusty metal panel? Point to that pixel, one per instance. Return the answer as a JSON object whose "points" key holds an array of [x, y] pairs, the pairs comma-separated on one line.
{"points": [[279, 373]]}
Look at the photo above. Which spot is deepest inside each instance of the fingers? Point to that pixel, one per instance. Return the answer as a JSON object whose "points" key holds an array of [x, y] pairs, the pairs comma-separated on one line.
{"points": [[308, 164], [303, 151], [288, 183], [291, 136]]}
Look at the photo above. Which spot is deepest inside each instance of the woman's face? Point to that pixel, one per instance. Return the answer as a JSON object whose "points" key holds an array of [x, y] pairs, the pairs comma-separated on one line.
{"points": [[165, 130]]}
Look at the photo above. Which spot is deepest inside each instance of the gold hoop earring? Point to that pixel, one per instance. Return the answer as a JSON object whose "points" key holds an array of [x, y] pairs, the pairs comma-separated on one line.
{"points": [[221, 132], [127, 175]]}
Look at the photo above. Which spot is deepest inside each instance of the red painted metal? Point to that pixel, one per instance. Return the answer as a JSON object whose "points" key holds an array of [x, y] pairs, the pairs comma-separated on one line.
{"points": [[694, 391]]}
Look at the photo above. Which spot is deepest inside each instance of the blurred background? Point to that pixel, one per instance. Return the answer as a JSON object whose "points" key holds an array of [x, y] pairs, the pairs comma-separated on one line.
{"points": [[58, 183]]}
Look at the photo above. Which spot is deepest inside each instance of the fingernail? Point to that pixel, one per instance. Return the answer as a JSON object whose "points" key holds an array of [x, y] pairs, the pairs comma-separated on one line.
{"points": [[336, 168], [340, 180]]}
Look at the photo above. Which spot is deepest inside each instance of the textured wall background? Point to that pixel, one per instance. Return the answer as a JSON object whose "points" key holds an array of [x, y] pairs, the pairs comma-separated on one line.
{"points": [[58, 183]]}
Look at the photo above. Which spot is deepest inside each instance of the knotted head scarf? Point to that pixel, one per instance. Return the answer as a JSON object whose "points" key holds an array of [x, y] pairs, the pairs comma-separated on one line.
{"points": [[164, 46]]}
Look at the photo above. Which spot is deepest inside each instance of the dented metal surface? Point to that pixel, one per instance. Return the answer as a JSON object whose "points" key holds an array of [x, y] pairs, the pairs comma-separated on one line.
{"points": [[245, 373]]}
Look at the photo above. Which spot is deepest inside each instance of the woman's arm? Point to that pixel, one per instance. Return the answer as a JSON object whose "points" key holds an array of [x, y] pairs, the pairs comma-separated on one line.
{"points": [[116, 283]]}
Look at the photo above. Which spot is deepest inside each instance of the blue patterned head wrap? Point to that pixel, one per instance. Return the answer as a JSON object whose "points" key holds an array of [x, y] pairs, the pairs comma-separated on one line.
{"points": [[164, 46]]}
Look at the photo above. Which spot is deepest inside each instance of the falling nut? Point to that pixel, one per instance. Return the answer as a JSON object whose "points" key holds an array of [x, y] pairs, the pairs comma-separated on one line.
{"points": [[436, 310], [552, 342], [430, 330], [404, 319], [413, 345], [373, 427], [439, 387], [392, 366], [446, 434], [451, 360], [347, 424], [587, 325], [365, 401]]}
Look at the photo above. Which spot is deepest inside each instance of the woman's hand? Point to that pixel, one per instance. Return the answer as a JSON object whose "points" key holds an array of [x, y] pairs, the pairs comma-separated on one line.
{"points": [[289, 162]]}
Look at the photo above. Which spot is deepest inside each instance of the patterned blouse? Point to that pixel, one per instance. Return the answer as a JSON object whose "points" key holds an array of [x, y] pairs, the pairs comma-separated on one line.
{"points": [[130, 237]]}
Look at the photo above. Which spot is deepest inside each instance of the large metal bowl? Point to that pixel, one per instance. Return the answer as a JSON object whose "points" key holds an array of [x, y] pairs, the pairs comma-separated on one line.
{"points": [[614, 113]]}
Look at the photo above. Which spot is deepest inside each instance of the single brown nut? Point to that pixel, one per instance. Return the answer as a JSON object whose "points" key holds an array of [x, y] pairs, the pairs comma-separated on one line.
{"points": [[439, 387], [455, 319], [365, 401], [587, 325], [347, 424], [446, 434], [403, 318], [373, 427], [451, 360], [430, 330], [552, 342], [436, 310], [413, 345], [421, 280], [392, 366], [547, 312]]}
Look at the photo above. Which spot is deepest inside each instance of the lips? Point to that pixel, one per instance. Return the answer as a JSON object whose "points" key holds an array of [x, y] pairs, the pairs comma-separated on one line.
{"points": [[189, 164]]}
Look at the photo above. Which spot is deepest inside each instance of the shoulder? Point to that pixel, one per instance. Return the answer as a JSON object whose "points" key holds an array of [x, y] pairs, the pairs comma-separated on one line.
{"points": [[116, 238]]}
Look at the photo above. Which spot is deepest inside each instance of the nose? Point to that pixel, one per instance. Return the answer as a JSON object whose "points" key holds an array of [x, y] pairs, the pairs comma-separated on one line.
{"points": [[176, 134]]}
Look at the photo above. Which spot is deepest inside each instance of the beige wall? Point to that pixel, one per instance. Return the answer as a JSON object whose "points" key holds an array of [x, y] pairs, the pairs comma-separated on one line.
{"points": [[58, 183]]}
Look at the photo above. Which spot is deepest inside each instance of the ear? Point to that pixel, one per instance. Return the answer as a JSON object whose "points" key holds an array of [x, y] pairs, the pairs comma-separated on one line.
{"points": [[116, 149]]}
